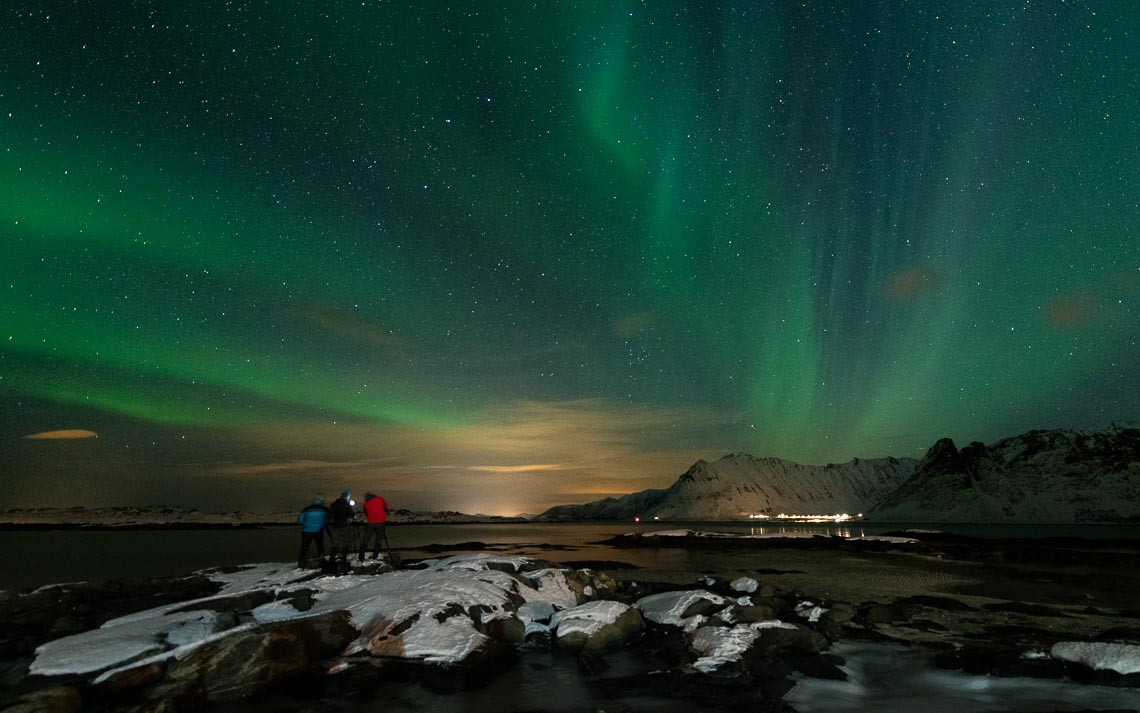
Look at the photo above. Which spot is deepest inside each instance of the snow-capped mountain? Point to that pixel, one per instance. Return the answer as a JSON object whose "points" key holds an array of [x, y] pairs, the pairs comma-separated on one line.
{"points": [[1048, 476], [739, 485], [1045, 476]]}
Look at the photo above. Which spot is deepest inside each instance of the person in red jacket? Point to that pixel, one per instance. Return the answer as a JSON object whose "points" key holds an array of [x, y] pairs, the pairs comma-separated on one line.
{"points": [[376, 512]]}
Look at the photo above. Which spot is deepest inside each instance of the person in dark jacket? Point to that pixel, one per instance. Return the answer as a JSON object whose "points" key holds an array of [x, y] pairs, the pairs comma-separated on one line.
{"points": [[341, 516], [312, 521], [376, 512]]}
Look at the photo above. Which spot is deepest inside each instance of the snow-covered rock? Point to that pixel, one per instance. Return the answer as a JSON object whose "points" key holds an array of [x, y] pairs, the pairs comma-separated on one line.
{"points": [[1121, 658], [719, 645], [686, 609], [437, 615], [744, 584], [597, 626]]}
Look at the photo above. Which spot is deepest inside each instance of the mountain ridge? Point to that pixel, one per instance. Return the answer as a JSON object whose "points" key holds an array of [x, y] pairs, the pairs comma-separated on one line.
{"points": [[1040, 476], [739, 485]]}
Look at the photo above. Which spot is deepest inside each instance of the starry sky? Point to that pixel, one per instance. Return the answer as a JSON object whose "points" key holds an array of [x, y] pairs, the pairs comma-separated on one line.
{"points": [[497, 256]]}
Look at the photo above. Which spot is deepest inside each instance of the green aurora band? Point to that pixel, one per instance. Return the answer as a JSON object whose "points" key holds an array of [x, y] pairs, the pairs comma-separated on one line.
{"points": [[828, 231]]}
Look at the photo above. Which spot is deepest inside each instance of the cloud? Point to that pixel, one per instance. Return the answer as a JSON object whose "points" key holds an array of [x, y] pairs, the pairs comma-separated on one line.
{"points": [[65, 435], [912, 283], [295, 467], [516, 457], [346, 324], [535, 468]]}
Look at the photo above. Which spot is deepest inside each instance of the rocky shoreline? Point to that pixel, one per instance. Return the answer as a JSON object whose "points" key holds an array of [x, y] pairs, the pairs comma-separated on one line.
{"points": [[222, 636]]}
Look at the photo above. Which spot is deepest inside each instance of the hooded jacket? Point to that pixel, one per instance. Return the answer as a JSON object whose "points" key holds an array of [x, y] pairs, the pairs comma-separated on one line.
{"points": [[341, 513], [375, 508], [314, 517]]}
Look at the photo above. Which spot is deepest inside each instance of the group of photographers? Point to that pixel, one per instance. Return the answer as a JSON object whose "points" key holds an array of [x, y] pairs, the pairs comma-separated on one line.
{"points": [[337, 520]]}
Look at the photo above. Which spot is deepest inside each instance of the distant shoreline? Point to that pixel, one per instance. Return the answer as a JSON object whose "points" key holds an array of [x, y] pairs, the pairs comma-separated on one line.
{"points": [[113, 527]]}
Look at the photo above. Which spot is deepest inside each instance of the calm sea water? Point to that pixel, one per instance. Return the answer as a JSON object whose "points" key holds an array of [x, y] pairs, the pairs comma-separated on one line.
{"points": [[39, 557]]}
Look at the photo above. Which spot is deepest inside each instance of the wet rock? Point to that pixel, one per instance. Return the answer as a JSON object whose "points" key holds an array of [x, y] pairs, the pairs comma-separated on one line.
{"points": [[778, 652], [617, 634], [478, 669], [875, 614], [781, 608], [597, 626], [841, 612], [767, 591], [133, 677], [56, 699], [67, 625], [748, 614], [236, 666], [507, 630], [664, 645], [793, 638], [34, 618], [1095, 677]]}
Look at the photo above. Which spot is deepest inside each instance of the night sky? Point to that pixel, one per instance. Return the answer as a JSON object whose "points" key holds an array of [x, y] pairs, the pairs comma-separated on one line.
{"points": [[491, 257]]}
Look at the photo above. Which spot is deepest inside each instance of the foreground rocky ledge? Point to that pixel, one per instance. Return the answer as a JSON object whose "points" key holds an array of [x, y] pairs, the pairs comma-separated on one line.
{"points": [[224, 636]]}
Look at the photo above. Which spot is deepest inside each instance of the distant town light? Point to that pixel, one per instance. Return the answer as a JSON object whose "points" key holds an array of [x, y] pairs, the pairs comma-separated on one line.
{"points": [[840, 517]]}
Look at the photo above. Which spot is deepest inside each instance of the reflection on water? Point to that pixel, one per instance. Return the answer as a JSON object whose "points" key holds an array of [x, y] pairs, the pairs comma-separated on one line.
{"points": [[844, 530], [38, 557]]}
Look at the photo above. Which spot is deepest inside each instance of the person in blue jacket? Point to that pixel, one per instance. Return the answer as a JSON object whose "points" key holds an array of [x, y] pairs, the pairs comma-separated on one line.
{"points": [[312, 521]]}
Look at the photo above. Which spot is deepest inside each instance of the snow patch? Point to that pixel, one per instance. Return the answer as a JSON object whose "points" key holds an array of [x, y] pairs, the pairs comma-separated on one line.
{"points": [[668, 607], [1122, 658], [744, 584], [430, 597], [719, 645], [116, 643], [810, 611], [587, 618]]}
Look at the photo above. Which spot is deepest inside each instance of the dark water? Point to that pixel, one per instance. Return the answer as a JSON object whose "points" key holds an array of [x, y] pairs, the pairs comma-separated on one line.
{"points": [[884, 678], [34, 558]]}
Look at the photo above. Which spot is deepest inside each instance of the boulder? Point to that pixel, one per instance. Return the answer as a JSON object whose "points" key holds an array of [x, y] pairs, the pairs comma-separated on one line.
{"points": [[507, 630], [233, 667], [749, 614], [841, 613], [56, 699], [597, 627]]}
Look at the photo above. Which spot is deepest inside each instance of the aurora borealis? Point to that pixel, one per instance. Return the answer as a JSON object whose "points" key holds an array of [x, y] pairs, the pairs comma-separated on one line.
{"points": [[498, 256]]}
